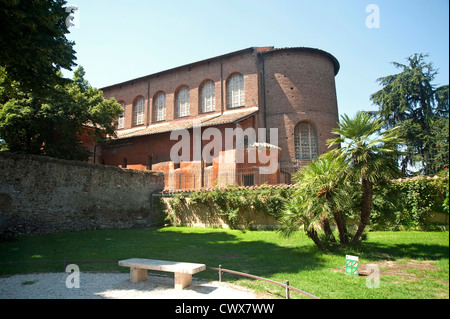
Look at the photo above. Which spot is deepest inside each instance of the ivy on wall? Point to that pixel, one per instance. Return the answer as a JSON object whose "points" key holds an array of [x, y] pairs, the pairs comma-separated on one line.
{"points": [[400, 204], [232, 202], [408, 203]]}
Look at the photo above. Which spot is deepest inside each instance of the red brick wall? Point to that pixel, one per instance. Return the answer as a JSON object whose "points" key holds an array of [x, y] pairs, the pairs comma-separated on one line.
{"points": [[137, 151], [218, 70], [88, 141], [299, 86], [296, 85]]}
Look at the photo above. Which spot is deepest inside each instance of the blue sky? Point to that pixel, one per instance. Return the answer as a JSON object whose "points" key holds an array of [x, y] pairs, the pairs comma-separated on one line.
{"points": [[118, 40]]}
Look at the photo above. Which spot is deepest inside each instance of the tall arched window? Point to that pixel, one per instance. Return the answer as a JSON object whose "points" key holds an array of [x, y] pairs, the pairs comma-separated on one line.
{"points": [[159, 107], [208, 97], [235, 91], [183, 102], [121, 120], [138, 111], [305, 139]]}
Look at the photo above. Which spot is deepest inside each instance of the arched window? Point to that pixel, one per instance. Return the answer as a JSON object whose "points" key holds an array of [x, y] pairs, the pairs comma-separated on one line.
{"points": [[208, 97], [305, 140], [235, 91], [159, 107], [138, 111], [121, 120], [182, 101]]}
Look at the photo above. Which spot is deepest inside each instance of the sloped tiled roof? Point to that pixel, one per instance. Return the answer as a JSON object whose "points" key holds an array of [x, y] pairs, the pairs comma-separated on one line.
{"points": [[227, 117]]}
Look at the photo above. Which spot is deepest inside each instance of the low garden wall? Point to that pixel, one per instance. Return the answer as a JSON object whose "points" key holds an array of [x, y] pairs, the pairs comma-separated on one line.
{"points": [[256, 207], [411, 203], [44, 195]]}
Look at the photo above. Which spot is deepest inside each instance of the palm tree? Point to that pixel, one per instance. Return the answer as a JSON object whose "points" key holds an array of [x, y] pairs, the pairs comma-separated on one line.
{"points": [[295, 215], [321, 193], [370, 154]]}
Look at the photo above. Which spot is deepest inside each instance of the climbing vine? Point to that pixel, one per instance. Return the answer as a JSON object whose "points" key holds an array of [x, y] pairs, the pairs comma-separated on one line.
{"points": [[232, 202]]}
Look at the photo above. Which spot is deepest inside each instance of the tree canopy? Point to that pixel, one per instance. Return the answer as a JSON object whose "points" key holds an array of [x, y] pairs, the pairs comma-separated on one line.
{"points": [[51, 125], [41, 112], [342, 180], [34, 44], [410, 100]]}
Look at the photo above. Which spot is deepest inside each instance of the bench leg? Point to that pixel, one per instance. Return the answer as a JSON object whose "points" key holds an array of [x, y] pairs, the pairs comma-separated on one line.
{"points": [[182, 280], [137, 275]]}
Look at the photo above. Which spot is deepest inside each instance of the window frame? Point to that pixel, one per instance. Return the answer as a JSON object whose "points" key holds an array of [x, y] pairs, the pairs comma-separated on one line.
{"points": [[121, 119], [139, 111], [235, 91], [208, 96], [306, 146], [157, 107], [182, 105]]}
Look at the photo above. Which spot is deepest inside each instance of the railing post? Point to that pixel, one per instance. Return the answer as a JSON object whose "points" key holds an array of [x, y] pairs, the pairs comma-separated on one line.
{"points": [[287, 289], [220, 273]]}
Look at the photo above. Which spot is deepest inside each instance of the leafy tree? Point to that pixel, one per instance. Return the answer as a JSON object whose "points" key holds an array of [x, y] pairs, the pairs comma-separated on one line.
{"points": [[321, 196], [410, 100], [342, 181], [370, 155], [49, 125], [33, 44], [437, 139]]}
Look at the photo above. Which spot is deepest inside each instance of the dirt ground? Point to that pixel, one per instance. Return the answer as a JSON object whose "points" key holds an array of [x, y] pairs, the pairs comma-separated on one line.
{"points": [[406, 270]]}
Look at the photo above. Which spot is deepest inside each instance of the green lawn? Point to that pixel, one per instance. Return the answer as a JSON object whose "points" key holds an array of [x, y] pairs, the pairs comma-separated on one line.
{"points": [[412, 264]]}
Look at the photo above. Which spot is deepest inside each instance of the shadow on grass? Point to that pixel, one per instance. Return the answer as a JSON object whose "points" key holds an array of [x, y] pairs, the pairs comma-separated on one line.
{"points": [[248, 254], [258, 253], [251, 255], [378, 251]]}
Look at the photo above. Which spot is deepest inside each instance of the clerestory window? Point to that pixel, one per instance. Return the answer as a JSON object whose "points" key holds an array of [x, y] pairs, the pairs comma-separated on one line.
{"points": [[305, 139], [121, 120], [183, 102], [208, 97], [138, 111], [159, 107], [235, 91]]}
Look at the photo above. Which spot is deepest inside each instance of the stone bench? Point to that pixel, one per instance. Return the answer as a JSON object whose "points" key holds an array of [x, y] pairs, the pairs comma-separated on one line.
{"points": [[183, 271]]}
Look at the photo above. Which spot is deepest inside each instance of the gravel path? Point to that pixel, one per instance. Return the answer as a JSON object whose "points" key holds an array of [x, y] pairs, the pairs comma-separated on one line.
{"points": [[113, 286]]}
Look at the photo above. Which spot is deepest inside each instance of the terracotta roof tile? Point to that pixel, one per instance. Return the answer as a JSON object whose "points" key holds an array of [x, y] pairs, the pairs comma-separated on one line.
{"points": [[232, 116]]}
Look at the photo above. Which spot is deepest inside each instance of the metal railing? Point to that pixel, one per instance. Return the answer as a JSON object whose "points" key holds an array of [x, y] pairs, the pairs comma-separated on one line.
{"points": [[220, 270], [287, 287]]}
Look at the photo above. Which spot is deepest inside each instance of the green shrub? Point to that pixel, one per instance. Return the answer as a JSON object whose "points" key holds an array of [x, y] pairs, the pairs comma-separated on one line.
{"points": [[407, 203], [232, 202], [397, 205]]}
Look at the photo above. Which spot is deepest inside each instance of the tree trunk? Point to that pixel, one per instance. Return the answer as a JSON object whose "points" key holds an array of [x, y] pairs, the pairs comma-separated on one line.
{"points": [[342, 227], [327, 229], [366, 208], [311, 233]]}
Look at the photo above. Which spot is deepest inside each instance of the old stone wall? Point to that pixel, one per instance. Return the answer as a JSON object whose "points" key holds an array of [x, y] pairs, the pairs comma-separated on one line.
{"points": [[45, 195]]}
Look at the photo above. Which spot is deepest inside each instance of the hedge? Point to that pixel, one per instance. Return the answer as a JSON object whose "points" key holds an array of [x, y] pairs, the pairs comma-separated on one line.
{"points": [[409, 203], [399, 205]]}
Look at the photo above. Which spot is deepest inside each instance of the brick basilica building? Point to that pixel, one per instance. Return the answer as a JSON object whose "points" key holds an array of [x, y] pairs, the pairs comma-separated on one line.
{"points": [[290, 89]]}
